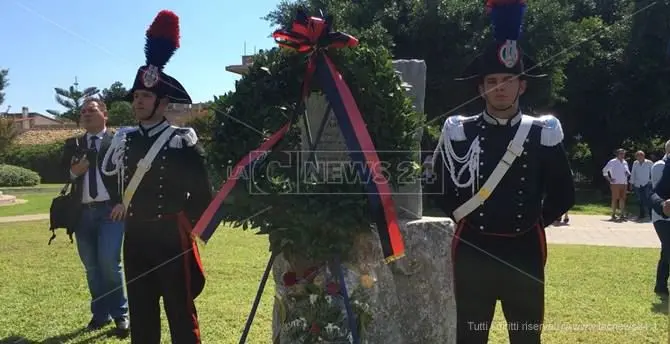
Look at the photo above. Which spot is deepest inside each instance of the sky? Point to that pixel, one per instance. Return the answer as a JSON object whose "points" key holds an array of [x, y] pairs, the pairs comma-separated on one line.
{"points": [[47, 43]]}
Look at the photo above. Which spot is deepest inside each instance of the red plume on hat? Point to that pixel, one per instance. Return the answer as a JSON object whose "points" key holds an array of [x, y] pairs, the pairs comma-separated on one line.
{"points": [[162, 39]]}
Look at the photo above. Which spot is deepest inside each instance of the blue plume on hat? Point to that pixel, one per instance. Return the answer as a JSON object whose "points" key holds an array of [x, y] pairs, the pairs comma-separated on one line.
{"points": [[506, 18], [162, 39]]}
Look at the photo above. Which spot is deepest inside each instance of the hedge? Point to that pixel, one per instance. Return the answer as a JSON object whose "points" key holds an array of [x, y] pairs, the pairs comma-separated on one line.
{"points": [[18, 176], [41, 158]]}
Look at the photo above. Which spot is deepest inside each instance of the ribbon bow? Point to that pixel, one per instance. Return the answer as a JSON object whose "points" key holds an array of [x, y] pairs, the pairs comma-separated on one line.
{"points": [[309, 34]]}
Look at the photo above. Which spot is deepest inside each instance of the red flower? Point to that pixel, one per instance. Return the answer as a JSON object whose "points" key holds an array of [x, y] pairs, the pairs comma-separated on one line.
{"points": [[332, 288], [314, 329], [289, 278], [309, 273]]}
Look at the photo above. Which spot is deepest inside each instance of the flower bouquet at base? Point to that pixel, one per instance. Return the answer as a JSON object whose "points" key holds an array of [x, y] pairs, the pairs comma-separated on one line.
{"points": [[312, 305]]}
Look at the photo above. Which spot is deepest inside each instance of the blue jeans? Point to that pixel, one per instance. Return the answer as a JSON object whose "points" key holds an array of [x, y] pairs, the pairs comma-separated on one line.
{"points": [[99, 241], [641, 193]]}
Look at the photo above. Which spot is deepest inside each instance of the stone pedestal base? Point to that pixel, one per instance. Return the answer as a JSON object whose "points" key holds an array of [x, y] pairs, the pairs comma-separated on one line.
{"points": [[412, 299]]}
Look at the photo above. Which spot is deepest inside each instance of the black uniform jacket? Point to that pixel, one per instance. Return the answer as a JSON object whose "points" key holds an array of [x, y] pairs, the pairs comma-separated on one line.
{"points": [[537, 188], [75, 148], [177, 181], [661, 191]]}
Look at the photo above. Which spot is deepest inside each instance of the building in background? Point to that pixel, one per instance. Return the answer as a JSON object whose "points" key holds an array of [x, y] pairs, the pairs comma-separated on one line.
{"points": [[181, 114], [27, 120], [247, 60]]}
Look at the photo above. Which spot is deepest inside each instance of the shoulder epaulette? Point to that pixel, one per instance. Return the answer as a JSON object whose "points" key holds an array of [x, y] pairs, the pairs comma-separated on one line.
{"points": [[125, 130], [183, 137], [552, 131], [453, 127]]}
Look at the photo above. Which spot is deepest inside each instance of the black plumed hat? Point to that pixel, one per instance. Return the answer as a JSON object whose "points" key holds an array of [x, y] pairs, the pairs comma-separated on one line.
{"points": [[504, 55], [162, 40]]}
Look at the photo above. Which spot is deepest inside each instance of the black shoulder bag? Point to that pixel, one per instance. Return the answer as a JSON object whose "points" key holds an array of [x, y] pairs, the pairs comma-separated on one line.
{"points": [[61, 212], [62, 209]]}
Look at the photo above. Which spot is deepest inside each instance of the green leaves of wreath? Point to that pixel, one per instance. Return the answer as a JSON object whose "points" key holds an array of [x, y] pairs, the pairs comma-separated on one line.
{"points": [[323, 219]]}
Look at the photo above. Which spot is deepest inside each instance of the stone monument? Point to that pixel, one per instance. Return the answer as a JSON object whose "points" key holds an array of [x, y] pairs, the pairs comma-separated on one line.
{"points": [[412, 299]]}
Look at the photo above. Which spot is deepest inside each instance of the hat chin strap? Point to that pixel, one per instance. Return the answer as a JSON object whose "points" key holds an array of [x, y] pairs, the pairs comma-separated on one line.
{"points": [[518, 93], [153, 111]]}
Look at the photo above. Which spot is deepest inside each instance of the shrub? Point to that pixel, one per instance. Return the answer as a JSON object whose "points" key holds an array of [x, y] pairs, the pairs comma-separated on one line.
{"points": [[323, 219], [41, 158], [18, 176]]}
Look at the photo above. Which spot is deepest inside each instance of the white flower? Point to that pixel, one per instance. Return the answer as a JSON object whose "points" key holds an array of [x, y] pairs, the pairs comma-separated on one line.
{"points": [[298, 323], [329, 299], [313, 298], [332, 328]]}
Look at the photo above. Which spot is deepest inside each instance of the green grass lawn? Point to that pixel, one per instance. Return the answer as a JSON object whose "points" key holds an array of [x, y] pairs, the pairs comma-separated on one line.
{"points": [[38, 199], [45, 300]]}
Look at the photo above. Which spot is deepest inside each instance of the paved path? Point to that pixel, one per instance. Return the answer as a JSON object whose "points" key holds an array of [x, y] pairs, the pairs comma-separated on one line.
{"points": [[582, 230], [598, 230], [23, 218]]}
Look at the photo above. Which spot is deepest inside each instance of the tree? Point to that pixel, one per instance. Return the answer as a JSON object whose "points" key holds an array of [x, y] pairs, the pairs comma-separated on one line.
{"points": [[116, 92], [120, 114], [8, 134], [4, 82], [72, 99]]}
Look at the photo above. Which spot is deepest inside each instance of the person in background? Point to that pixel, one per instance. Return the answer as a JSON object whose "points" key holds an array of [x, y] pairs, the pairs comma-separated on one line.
{"points": [[99, 232], [640, 180], [661, 223], [617, 173]]}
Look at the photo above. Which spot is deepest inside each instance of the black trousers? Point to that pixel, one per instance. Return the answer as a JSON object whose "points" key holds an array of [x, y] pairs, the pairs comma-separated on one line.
{"points": [[489, 268], [663, 267], [160, 261]]}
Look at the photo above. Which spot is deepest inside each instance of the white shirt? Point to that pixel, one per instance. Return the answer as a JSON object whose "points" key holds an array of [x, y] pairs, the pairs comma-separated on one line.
{"points": [[103, 194], [641, 174], [656, 174], [618, 171]]}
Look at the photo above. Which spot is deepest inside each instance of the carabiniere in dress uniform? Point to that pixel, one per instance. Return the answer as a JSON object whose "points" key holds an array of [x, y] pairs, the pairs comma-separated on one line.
{"points": [[161, 167], [503, 176]]}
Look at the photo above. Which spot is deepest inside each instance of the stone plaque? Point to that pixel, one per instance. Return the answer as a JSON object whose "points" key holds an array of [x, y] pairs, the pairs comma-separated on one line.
{"points": [[325, 162], [408, 198], [329, 160]]}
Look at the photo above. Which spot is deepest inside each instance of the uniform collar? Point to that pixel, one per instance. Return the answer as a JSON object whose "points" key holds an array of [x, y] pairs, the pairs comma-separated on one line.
{"points": [[502, 122], [153, 129]]}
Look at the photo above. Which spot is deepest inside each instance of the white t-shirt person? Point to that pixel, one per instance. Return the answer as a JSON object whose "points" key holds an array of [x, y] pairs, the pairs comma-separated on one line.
{"points": [[641, 174], [617, 170]]}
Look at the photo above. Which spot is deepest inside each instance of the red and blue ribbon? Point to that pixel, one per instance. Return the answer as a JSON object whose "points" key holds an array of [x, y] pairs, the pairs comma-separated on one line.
{"points": [[313, 36]]}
